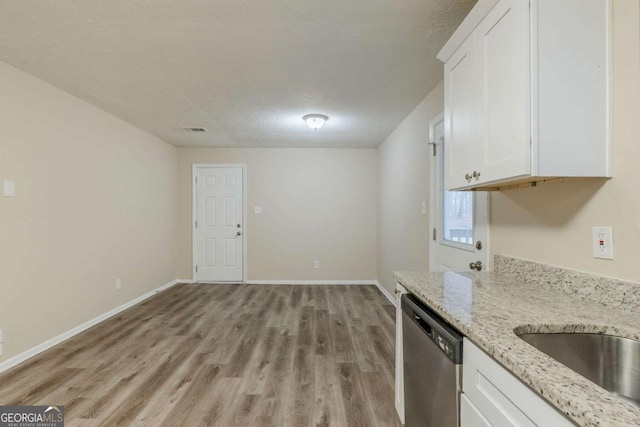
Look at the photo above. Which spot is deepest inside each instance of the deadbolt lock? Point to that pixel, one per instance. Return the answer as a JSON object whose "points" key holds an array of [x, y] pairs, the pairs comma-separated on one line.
{"points": [[479, 245]]}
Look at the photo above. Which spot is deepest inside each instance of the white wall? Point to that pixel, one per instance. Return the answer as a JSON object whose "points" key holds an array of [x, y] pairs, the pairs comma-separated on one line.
{"points": [[96, 201], [403, 184], [318, 204], [552, 223]]}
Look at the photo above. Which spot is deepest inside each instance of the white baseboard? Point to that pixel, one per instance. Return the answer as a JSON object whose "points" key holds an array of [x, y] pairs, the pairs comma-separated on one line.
{"points": [[217, 283], [16, 360], [311, 282], [185, 281], [386, 293]]}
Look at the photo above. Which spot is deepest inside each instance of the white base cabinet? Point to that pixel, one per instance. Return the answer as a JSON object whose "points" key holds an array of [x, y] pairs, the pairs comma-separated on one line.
{"points": [[399, 380], [492, 396], [527, 93]]}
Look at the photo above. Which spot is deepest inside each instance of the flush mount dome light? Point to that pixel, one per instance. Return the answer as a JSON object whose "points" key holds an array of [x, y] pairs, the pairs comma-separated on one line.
{"points": [[315, 121]]}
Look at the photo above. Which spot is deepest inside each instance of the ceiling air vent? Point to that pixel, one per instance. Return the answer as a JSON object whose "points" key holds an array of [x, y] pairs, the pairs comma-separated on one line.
{"points": [[195, 129]]}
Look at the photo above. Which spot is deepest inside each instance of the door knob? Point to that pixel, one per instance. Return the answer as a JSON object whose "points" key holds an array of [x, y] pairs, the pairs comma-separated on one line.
{"points": [[476, 265], [239, 226], [238, 234]]}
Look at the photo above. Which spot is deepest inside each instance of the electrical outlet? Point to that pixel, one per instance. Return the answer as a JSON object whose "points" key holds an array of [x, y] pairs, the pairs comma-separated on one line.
{"points": [[316, 264], [257, 210], [603, 242], [118, 283]]}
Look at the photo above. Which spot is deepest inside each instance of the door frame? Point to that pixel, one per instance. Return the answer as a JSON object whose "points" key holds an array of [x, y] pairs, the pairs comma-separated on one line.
{"points": [[432, 196], [194, 215], [432, 201]]}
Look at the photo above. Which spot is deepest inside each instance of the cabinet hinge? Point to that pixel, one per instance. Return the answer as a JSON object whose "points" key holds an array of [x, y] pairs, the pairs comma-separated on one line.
{"points": [[434, 234], [196, 268]]}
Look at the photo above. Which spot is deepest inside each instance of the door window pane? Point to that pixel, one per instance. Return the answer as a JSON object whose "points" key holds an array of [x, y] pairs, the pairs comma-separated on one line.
{"points": [[457, 215]]}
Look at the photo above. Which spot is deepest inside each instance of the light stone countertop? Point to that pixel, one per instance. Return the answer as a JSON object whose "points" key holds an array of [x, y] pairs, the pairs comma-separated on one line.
{"points": [[487, 307]]}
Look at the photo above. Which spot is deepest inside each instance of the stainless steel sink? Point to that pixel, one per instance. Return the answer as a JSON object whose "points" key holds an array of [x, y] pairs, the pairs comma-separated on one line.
{"points": [[609, 361]]}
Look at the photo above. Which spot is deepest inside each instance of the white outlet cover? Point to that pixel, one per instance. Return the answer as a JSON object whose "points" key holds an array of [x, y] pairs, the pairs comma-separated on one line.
{"points": [[603, 242], [9, 189], [316, 264], [257, 210], [424, 208], [118, 283]]}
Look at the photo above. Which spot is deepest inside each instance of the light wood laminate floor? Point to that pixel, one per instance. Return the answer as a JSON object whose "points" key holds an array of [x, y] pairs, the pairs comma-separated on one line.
{"points": [[225, 355]]}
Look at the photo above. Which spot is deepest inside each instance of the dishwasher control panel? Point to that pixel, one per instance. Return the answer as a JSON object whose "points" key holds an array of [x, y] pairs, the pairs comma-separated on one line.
{"points": [[444, 346]]}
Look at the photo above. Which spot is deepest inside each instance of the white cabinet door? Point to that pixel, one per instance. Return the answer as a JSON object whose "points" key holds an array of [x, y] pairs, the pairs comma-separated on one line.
{"points": [[469, 414], [501, 398], [502, 43], [461, 115]]}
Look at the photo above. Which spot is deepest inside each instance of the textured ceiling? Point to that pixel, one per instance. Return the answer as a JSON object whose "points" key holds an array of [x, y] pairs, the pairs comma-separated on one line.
{"points": [[245, 70]]}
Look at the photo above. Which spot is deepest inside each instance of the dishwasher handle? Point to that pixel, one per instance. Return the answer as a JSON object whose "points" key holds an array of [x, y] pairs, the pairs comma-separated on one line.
{"points": [[423, 325]]}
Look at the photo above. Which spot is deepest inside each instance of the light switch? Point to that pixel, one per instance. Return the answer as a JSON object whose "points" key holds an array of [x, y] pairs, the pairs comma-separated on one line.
{"points": [[424, 208], [9, 189], [257, 210], [603, 242]]}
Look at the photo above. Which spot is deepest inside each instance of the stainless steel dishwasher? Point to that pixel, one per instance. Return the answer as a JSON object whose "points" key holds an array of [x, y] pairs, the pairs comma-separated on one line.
{"points": [[432, 352]]}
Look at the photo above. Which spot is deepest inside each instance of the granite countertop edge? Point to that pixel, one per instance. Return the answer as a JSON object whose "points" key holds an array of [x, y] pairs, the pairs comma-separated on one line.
{"points": [[490, 317]]}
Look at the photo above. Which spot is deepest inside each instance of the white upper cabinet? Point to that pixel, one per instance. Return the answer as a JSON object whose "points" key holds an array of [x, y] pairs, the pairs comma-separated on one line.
{"points": [[527, 87]]}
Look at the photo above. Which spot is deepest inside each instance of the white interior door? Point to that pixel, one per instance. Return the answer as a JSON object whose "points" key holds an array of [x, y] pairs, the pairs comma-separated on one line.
{"points": [[459, 238], [218, 223]]}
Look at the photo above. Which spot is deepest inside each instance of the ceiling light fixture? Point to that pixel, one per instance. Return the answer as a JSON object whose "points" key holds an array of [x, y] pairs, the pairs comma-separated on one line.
{"points": [[315, 121]]}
